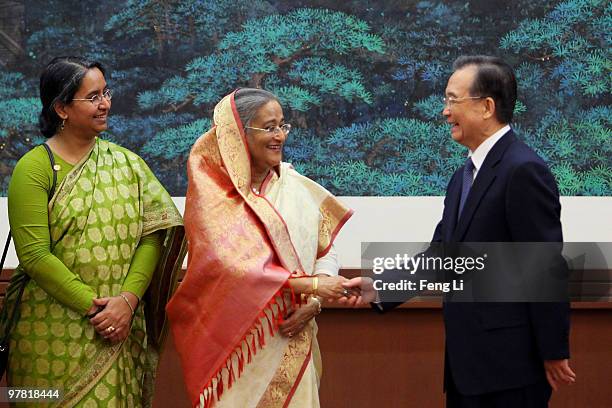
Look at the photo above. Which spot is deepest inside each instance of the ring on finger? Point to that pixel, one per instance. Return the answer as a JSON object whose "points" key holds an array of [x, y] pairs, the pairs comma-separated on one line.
{"points": [[110, 329]]}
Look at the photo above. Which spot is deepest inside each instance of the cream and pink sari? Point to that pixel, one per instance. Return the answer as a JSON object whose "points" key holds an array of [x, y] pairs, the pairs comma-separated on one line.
{"points": [[243, 249]]}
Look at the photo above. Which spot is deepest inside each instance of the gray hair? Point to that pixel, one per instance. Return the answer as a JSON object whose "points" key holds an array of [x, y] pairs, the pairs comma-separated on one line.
{"points": [[249, 100]]}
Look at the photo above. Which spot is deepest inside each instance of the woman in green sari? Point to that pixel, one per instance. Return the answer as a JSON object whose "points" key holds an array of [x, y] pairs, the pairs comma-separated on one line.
{"points": [[91, 249]]}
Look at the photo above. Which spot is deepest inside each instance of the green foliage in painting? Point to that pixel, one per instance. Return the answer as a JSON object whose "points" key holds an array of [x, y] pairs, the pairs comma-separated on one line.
{"points": [[565, 85], [296, 48], [361, 81], [176, 142], [573, 42], [399, 156]]}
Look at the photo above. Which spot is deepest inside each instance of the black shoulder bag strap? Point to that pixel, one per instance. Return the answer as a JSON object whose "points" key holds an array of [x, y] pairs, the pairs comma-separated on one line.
{"points": [[52, 161], [24, 281]]}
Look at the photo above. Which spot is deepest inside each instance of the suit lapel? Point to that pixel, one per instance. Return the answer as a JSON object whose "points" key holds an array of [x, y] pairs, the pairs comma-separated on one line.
{"points": [[486, 176]]}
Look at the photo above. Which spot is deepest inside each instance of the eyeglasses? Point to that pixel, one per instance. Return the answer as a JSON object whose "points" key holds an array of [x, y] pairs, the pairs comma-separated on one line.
{"points": [[451, 100], [286, 128], [96, 100]]}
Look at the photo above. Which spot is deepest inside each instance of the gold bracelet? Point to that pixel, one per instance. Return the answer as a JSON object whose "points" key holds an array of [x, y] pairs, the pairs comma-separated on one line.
{"points": [[318, 302], [315, 285], [128, 302]]}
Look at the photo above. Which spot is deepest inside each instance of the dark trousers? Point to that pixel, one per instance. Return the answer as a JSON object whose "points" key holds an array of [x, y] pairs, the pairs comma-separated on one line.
{"points": [[531, 396]]}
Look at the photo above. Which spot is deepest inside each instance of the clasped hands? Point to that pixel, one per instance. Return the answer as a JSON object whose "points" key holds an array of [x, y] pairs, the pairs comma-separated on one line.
{"points": [[363, 290], [113, 316], [333, 289]]}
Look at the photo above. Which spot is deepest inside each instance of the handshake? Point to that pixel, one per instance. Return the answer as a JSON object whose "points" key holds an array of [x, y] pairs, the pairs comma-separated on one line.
{"points": [[350, 292]]}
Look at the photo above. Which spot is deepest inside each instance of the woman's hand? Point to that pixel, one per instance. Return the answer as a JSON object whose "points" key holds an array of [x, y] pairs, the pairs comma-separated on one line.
{"points": [[93, 309], [113, 322], [298, 319], [330, 287]]}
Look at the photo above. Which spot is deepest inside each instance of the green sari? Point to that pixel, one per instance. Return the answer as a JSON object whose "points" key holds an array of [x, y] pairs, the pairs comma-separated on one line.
{"points": [[99, 213]]}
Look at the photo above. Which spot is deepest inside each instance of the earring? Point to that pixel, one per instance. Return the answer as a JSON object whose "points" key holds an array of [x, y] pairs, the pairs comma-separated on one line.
{"points": [[62, 124]]}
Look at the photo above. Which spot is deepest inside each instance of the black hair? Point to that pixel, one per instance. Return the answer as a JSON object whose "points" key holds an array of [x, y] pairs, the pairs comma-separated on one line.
{"points": [[495, 79], [59, 81]]}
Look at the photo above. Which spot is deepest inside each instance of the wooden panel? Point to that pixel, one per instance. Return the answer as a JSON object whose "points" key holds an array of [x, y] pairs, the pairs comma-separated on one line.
{"points": [[391, 360], [5, 274], [170, 389], [396, 360]]}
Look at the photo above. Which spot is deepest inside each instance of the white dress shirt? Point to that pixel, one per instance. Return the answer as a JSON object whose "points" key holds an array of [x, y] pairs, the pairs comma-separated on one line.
{"points": [[480, 154]]}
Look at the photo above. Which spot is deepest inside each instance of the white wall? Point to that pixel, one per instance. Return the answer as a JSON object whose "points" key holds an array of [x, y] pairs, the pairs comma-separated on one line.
{"points": [[413, 219]]}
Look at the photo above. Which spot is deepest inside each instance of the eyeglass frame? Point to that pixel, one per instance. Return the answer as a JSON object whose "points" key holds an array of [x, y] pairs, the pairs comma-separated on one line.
{"points": [[107, 94], [274, 130], [448, 101]]}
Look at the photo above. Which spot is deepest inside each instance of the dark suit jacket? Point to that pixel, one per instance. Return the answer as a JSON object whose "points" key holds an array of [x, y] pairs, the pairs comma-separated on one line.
{"points": [[497, 346]]}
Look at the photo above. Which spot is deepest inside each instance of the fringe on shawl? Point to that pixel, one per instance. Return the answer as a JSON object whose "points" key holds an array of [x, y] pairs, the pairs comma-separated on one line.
{"points": [[252, 341]]}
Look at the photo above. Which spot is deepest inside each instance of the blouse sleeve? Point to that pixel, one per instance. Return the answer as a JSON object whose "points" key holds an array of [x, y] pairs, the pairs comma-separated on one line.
{"points": [[143, 264], [29, 220], [328, 264]]}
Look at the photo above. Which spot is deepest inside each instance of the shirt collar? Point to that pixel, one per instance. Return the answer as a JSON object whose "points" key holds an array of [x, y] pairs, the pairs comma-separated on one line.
{"points": [[480, 154]]}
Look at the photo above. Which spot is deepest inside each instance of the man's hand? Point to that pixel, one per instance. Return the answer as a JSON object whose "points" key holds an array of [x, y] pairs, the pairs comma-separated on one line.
{"points": [[558, 372], [365, 288]]}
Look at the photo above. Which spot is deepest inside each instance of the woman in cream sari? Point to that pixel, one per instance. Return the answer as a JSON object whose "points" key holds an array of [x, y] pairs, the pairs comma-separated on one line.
{"points": [[261, 258], [99, 242]]}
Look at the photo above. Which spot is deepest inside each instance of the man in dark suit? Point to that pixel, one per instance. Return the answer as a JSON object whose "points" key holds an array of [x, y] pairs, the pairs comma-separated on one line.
{"points": [[497, 354]]}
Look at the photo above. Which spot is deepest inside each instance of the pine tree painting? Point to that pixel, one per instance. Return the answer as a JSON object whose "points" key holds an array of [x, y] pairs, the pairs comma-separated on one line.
{"points": [[360, 80]]}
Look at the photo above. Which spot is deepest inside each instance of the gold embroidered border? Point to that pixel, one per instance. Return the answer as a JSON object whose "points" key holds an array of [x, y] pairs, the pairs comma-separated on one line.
{"points": [[333, 215], [71, 178], [288, 373], [102, 363]]}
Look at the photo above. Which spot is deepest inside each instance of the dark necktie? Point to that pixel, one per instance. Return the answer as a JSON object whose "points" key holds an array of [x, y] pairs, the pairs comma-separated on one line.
{"points": [[468, 179]]}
